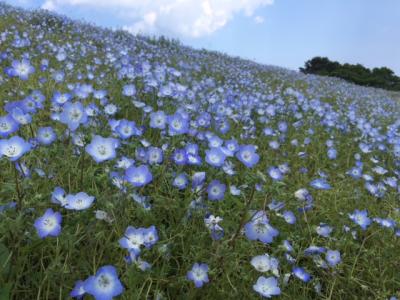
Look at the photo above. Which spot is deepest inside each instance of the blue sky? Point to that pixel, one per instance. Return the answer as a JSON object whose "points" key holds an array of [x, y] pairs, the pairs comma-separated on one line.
{"points": [[280, 32]]}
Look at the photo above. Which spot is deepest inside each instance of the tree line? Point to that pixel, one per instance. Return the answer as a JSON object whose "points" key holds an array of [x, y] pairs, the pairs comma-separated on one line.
{"points": [[377, 77]]}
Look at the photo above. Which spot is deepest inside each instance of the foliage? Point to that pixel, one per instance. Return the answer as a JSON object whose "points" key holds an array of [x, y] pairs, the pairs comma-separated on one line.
{"points": [[377, 77]]}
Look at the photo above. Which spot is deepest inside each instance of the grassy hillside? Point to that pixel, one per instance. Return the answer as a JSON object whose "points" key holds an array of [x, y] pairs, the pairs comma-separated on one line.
{"points": [[188, 174]]}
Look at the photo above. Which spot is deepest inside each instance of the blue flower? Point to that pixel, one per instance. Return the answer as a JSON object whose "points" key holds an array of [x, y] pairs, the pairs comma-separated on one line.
{"points": [[8, 126], [180, 181], [264, 263], [138, 176], [154, 155], [133, 239], [46, 135], [129, 90], [126, 129], [177, 124], [105, 284], [78, 290], [79, 201], [320, 184], [360, 217], [14, 148], [289, 217], [73, 115], [301, 274], [248, 156], [158, 120], [259, 229], [49, 224], [21, 69], [332, 257], [102, 149], [198, 274], [215, 157], [58, 196], [267, 287], [150, 236], [216, 190], [324, 230], [275, 173]]}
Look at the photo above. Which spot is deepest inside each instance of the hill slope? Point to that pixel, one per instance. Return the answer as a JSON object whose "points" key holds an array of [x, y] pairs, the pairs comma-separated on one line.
{"points": [[149, 157]]}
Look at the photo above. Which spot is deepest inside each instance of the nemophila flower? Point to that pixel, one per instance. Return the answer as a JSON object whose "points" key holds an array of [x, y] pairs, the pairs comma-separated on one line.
{"points": [[259, 229], [102, 149], [355, 172], [287, 246], [391, 181], [135, 259], [332, 257], [314, 250], [14, 148], [276, 205], [332, 153], [155, 155], [198, 179], [142, 200], [324, 230], [378, 190], [267, 287], [275, 173], [301, 274], [58, 196], [216, 190], [105, 284], [320, 184], [386, 223], [20, 68], [46, 135], [212, 224], [158, 120], [8, 126], [124, 162], [61, 98], [234, 190], [21, 116], [215, 157], [198, 274], [138, 176], [73, 115], [180, 181], [110, 109], [360, 217], [141, 154], [274, 145], [289, 217], [177, 124], [302, 194], [49, 224], [150, 236], [264, 263], [79, 201], [129, 90], [22, 169], [180, 157], [133, 239], [126, 129], [248, 156], [78, 290]]}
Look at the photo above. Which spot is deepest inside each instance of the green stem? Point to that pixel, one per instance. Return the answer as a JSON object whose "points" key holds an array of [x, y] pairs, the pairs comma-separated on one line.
{"points": [[17, 187]]}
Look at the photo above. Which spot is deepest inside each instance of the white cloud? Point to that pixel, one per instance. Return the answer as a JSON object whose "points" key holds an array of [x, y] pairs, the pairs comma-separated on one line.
{"points": [[259, 19], [189, 18]]}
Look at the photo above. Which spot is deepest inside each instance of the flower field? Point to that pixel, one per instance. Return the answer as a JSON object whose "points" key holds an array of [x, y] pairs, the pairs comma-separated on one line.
{"points": [[138, 168]]}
